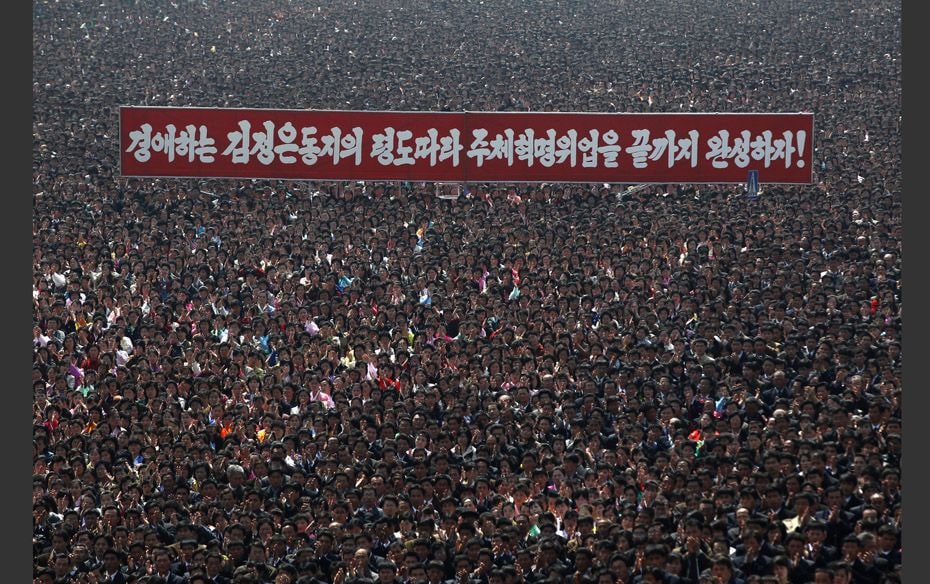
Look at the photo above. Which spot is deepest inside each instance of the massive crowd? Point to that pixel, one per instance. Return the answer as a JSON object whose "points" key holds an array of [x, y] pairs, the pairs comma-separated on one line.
{"points": [[261, 381]]}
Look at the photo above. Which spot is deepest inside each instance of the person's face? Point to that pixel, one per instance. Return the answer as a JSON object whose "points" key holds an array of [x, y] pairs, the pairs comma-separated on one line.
{"points": [[850, 549], [721, 573], [62, 566]]}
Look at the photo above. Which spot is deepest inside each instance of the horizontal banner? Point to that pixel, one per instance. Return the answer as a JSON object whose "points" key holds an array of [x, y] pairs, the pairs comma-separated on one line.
{"points": [[465, 146]]}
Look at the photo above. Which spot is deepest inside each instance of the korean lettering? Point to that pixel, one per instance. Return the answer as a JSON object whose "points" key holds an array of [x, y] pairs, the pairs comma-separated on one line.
{"points": [[352, 145], [611, 149], [309, 150], [185, 143], [479, 147], [193, 147], [382, 147], [688, 148], [331, 143], [566, 148], [141, 143], [545, 148], [590, 149], [341, 146], [720, 151], [502, 147], [287, 148], [524, 147], [741, 149], [450, 146], [427, 147], [403, 151], [683, 149], [640, 148], [768, 150], [165, 142], [392, 147], [264, 144], [239, 143]]}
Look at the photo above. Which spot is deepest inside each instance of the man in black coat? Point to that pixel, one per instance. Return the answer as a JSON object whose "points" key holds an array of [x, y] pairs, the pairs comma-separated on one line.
{"points": [[724, 572], [163, 568], [752, 562]]}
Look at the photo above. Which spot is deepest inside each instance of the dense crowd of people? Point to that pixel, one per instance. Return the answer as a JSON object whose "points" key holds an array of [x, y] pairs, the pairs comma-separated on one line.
{"points": [[262, 381]]}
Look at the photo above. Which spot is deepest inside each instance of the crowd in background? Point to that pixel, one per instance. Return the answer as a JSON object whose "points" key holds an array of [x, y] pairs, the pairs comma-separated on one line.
{"points": [[299, 382]]}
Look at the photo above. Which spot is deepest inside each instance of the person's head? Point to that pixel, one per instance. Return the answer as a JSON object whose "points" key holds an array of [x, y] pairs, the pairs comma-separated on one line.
{"points": [[361, 557], [842, 572], [61, 564], [653, 575], [111, 561], [824, 575], [722, 568], [850, 548], [162, 560]]}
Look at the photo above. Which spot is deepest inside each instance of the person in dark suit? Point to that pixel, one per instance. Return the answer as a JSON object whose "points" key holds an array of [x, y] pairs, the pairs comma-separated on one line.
{"points": [[818, 551], [111, 572], [182, 567], [214, 568], [752, 562], [694, 560], [889, 548], [861, 561], [800, 569], [851, 500], [838, 521], [655, 563], [723, 570], [163, 568]]}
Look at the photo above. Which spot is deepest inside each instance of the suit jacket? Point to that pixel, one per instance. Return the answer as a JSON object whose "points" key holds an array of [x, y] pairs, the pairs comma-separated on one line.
{"points": [[180, 568], [851, 503], [837, 530], [693, 565], [758, 566], [116, 578], [893, 557], [175, 579], [669, 579], [826, 555], [802, 573], [863, 574]]}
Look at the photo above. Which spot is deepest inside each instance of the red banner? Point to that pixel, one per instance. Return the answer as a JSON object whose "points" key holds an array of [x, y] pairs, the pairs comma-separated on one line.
{"points": [[466, 146]]}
